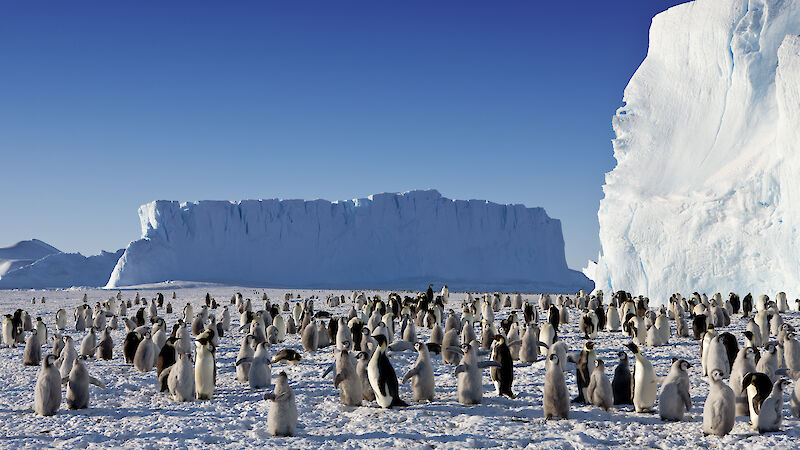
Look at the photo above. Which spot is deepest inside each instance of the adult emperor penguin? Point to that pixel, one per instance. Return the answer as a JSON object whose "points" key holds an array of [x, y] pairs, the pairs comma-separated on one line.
{"points": [[9, 337], [32, 355], [469, 377], [181, 379], [41, 330], [78, 385], [599, 392], [502, 376], [758, 388], [282, 414], [205, 370], [382, 377], [583, 371], [719, 410], [47, 393], [770, 416], [645, 383], [421, 375], [622, 383], [130, 345], [287, 356], [347, 380], [555, 403], [675, 396]]}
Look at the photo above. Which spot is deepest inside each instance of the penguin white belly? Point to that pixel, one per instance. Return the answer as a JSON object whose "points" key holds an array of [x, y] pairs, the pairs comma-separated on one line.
{"points": [[204, 377], [645, 387], [374, 379]]}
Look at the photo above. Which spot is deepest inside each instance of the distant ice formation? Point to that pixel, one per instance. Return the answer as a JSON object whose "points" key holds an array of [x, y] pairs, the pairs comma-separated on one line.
{"points": [[391, 241], [706, 189]]}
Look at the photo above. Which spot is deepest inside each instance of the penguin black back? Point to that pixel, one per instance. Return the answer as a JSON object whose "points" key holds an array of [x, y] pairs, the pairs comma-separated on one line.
{"points": [[130, 345], [555, 317], [763, 387], [699, 326], [747, 304], [622, 384]]}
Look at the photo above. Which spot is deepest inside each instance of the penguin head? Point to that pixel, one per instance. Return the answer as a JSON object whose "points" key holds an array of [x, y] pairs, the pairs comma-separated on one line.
{"points": [[632, 347], [749, 353], [49, 360], [600, 364], [553, 357], [783, 383], [499, 339], [717, 375], [381, 340], [361, 355], [770, 348], [589, 345]]}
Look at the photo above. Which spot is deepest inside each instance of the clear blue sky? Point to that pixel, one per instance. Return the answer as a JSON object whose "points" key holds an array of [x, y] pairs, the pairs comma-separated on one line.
{"points": [[108, 105]]}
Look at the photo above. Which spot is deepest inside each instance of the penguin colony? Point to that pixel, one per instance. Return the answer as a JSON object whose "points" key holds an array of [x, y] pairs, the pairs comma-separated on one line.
{"points": [[748, 374]]}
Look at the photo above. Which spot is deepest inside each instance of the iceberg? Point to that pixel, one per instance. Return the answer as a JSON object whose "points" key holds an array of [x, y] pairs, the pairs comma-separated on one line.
{"points": [[705, 191], [391, 241], [23, 253], [62, 270]]}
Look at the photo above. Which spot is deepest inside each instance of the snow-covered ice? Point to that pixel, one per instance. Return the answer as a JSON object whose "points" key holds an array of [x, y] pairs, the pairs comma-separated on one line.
{"points": [[131, 413], [705, 192], [385, 241]]}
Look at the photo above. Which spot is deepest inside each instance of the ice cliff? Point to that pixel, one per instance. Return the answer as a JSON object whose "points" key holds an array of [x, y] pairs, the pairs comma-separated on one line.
{"points": [[706, 190], [390, 241]]}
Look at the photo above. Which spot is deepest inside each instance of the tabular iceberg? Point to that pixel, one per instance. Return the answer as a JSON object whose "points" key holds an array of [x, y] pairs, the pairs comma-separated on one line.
{"points": [[706, 190], [391, 241]]}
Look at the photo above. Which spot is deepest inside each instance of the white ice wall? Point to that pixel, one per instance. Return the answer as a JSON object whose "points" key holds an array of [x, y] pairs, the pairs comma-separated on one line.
{"points": [[384, 241], [705, 187]]}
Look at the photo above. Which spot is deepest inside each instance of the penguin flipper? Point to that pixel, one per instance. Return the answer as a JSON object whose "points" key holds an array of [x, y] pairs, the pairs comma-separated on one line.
{"points": [[245, 360], [485, 364], [414, 371], [401, 346], [97, 382], [434, 347], [337, 379], [329, 370], [460, 368]]}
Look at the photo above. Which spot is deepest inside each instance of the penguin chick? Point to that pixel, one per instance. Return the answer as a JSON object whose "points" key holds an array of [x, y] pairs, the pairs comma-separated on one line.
{"points": [[282, 414], [675, 396], [599, 392]]}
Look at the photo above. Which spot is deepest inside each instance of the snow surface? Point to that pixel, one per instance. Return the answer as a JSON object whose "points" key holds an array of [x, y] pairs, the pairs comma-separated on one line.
{"points": [[23, 253], [388, 241], [704, 194], [131, 413]]}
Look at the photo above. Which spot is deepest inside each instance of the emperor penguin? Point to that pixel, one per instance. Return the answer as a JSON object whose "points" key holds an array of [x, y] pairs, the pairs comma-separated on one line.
{"points": [[559, 348], [41, 330], [260, 374], [205, 370], [502, 376], [61, 319], [78, 385], [791, 352], [58, 344], [382, 377], [421, 375], [181, 379], [758, 388], [361, 369], [243, 359], [705, 345], [89, 343], [47, 393], [469, 377], [529, 348], [770, 417], [583, 371], [347, 380], [145, 358], [555, 402], [622, 383], [599, 392], [282, 414], [612, 319], [32, 355], [743, 365], [309, 338], [675, 396], [9, 337], [719, 410], [768, 364], [753, 328], [547, 334], [762, 320], [450, 353], [645, 383], [68, 356]]}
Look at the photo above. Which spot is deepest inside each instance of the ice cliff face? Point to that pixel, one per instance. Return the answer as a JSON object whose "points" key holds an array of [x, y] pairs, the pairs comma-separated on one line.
{"points": [[705, 194], [384, 241]]}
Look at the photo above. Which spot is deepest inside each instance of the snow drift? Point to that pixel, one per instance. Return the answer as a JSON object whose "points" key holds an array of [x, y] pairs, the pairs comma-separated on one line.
{"points": [[385, 241], [707, 156]]}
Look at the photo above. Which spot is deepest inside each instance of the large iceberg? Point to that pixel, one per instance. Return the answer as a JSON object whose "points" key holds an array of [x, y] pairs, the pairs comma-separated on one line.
{"points": [[706, 190], [23, 253], [62, 270], [391, 241]]}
